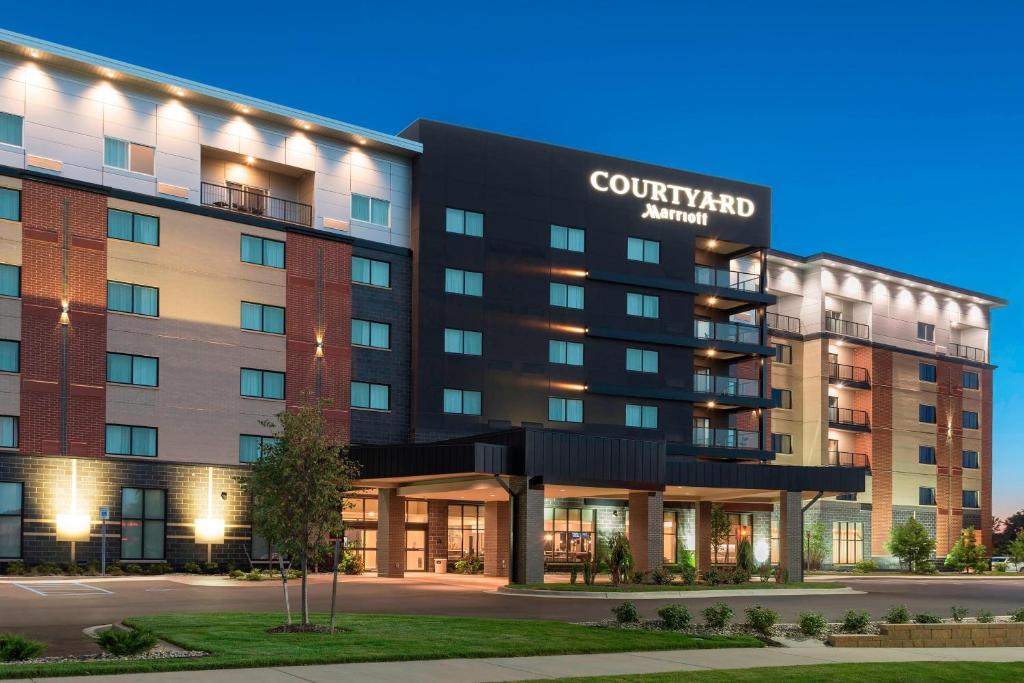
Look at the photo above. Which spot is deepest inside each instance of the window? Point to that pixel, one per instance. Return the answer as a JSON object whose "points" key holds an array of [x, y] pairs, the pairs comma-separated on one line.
{"points": [[565, 353], [669, 537], [569, 239], [262, 318], [10, 204], [459, 222], [466, 342], [467, 282], [645, 417], [783, 354], [566, 296], [369, 272], [263, 252], [123, 368], [926, 332], [741, 526], [130, 156], [565, 409], [371, 210], [925, 495], [461, 402], [371, 396], [643, 305], [133, 227], [782, 443], [10, 280], [926, 372], [847, 497], [10, 129], [11, 502], [370, 334], [8, 431], [124, 297], [926, 455], [926, 413], [129, 440], [641, 360], [970, 380], [10, 356], [360, 510], [465, 531], [648, 251], [969, 460], [363, 542], [261, 384], [847, 542], [252, 446], [783, 398], [143, 515], [970, 499], [569, 534], [970, 419]]}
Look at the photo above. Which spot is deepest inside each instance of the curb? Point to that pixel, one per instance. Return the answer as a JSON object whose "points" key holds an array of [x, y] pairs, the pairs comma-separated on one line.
{"points": [[675, 595]]}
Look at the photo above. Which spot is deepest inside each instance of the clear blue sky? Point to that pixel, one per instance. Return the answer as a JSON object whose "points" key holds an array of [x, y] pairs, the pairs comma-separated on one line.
{"points": [[891, 132]]}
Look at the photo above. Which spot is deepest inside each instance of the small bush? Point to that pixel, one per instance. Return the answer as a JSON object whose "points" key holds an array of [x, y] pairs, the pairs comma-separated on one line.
{"points": [[781, 574], [959, 613], [70, 568], [1017, 615], [115, 570], [254, 575], [739, 576], [925, 567], [158, 568], [236, 574], [16, 568], [91, 568], [898, 615], [713, 577], [574, 573], [926, 618], [47, 569], [999, 567], [761, 619], [812, 623], [865, 567], [676, 617], [626, 613], [985, 617], [856, 622], [190, 568], [14, 648], [125, 643], [764, 572], [661, 576], [211, 568], [133, 569], [718, 615], [688, 574]]}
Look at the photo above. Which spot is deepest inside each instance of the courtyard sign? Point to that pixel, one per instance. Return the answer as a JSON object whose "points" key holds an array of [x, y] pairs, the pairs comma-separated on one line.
{"points": [[661, 198]]}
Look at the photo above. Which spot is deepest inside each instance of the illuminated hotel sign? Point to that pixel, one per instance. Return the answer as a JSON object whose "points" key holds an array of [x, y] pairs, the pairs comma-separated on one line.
{"points": [[662, 198]]}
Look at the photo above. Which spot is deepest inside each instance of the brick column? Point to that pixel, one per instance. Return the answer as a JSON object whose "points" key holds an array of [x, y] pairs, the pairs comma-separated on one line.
{"points": [[646, 528], [791, 534], [390, 534], [985, 459], [881, 451], [527, 530], [496, 537], [703, 549], [437, 531]]}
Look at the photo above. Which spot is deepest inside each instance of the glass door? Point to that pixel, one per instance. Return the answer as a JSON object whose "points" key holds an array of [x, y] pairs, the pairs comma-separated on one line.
{"points": [[415, 550]]}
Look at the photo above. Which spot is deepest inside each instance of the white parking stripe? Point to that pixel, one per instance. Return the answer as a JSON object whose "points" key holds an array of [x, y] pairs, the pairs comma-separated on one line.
{"points": [[63, 588]]}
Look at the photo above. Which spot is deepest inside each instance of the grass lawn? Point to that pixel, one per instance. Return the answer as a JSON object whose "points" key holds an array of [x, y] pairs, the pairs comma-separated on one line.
{"points": [[241, 640], [644, 588]]}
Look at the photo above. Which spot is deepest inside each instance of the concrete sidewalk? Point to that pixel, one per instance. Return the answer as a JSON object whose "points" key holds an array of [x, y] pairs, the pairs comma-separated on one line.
{"points": [[539, 668]]}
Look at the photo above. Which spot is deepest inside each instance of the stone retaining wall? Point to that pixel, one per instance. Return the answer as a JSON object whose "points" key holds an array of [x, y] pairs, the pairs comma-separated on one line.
{"points": [[936, 635]]}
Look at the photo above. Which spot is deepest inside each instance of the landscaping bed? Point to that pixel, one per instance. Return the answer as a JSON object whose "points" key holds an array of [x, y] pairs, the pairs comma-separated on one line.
{"points": [[678, 586]]}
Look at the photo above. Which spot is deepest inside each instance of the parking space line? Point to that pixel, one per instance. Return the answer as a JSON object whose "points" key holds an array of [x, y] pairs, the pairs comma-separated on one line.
{"points": [[48, 589]]}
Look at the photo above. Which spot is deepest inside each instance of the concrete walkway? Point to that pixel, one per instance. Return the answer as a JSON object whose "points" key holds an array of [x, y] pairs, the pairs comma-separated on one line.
{"points": [[703, 593], [539, 668]]}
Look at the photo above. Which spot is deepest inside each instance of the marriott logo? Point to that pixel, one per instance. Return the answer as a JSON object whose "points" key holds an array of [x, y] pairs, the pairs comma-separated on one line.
{"points": [[663, 198]]}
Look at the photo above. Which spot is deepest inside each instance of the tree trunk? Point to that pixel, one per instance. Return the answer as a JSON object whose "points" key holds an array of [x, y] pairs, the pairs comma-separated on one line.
{"points": [[305, 579]]}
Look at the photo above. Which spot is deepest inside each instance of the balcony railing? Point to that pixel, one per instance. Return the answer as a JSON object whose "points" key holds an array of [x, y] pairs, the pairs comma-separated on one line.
{"points": [[968, 352], [725, 386], [846, 327], [848, 373], [256, 204], [729, 279], [711, 437], [784, 323], [847, 459], [734, 332], [848, 416]]}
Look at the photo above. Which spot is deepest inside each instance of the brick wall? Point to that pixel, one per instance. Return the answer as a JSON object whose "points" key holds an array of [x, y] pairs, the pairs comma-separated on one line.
{"points": [[437, 531], [986, 457], [936, 635], [948, 459], [881, 450], [496, 538]]}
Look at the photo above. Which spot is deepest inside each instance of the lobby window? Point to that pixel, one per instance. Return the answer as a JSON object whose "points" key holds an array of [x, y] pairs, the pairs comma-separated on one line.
{"points": [[133, 227], [262, 318], [969, 460], [641, 360], [782, 443], [370, 272], [970, 499], [261, 383], [783, 354], [124, 297], [465, 342], [645, 417], [262, 252], [252, 446], [926, 413], [10, 204], [416, 512], [461, 402], [371, 335], [11, 505], [8, 431], [129, 156], [970, 419], [10, 280], [143, 521], [11, 126], [569, 534], [926, 495], [371, 210], [466, 282], [465, 531], [926, 372], [926, 455], [123, 368], [783, 398], [850, 497], [642, 305], [564, 352], [568, 239], [647, 251], [670, 536], [970, 380], [362, 542], [741, 526], [360, 510], [371, 396], [130, 440], [565, 409], [566, 296], [926, 332], [459, 222], [847, 542], [10, 355]]}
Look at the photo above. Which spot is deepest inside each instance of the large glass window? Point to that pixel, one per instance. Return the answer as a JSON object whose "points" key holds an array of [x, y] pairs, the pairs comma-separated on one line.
{"points": [[926, 495], [565, 409], [740, 528], [362, 542], [133, 227], [10, 356], [371, 210], [467, 282], [970, 499], [465, 342], [262, 252], [143, 519], [970, 380], [130, 156], [460, 222], [642, 305], [569, 239], [371, 334], [641, 360], [370, 272], [8, 431], [10, 129], [645, 417], [131, 440], [569, 534], [926, 455], [262, 318], [647, 251], [251, 446], [566, 296], [10, 204], [565, 353], [926, 372], [124, 297], [465, 531], [123, 368], [970, 419], [360, 510], [416, 512], [969, 460], [783, 354], [926, 413], [11, 493], [847, 542], [261, 383], [460, 401], [670, 534], [371, 396]]}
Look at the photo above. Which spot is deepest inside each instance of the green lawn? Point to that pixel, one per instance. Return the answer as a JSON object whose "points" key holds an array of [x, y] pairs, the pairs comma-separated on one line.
{"points": [[241, 640], [643, 587]]}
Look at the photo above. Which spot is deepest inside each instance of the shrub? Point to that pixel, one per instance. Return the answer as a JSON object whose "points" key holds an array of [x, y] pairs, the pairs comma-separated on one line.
{"points": [[761, 619], [739, 576], [589, 575], [115, 570], [925, 567], [620, 558], [713, 577], [92, 568], [999, 567], [812, 623], [926, 618], [764, 572], [856, 622], [351, 563], [16, 568], [911, 543], [662, 576], [676, 617], [967, 555], [574, 573], [688, 574], [1017, 615], [254, 575], [236, 574], [133, 569], [745, 557], [985, 617], [158, 568], [626, 613], [190, 568], [467, 564], [70, 568], [211, 568], [638, 577], [14, 647], [958, 613], [781, 574], [718, 615], [47, 569], [125, 643], [685, 555], [898, 615], [865, 567], [817, 541]]}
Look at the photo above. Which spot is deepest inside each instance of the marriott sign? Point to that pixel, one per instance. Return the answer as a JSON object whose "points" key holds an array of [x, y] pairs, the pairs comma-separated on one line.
{"points": [[695, 204]]}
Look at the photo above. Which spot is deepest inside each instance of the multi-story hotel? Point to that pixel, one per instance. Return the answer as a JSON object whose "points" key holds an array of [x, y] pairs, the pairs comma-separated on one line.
{"points": [[530, 347]]}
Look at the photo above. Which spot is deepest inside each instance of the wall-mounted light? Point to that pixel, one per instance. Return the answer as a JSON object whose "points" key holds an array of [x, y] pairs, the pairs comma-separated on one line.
{"points": [[209, 530], [711, 353], [362, 141], [245, 110], [72, 526], [319, 347], [712, 300], [250, 160], [711, 404], [34, 54], [712, 244], [65, 319]]}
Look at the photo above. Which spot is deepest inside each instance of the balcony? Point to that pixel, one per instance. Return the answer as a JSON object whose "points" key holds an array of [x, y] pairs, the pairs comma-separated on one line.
{"points": [[783, 323], [851, 375], [725, 386], [848, 418], [711, 437], [968, 352], [727, 279], [729, 332], [847, 328], [256, 203], [847, 459]]}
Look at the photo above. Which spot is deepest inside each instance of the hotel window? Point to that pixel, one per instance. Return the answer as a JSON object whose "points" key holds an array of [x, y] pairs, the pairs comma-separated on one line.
{"points": [[782, 443], [970, 419], [926, 413], [130, 440], [130, 156], [123, 368], [10, 280], [847, 497], [371, 210], [370, 272], [371, 396], [10, 204], [647, 251], [670, 537], [645, 417], [8, 431], [466, 282], [416, 512], [11, 495], [252, 446], [970, 380], [568, 239], [261, 383], [263, 252], [783, 354], [566, 296], [926, 372], [459, 222], [783, 398], [262, 318], [124, 297], [847, 542], [143, 515], [133, 227], [370, 334], [461, 402], [740, 528], [360, 510], [641, 360], [565, 409], [569, 534], [970, 499], [565, 353], [642, 305], [362, 542], [10, 129], [926, 332], [465, 531], [465, 342], [10, 356], [926, 455], [969, 460], [925, 495]]}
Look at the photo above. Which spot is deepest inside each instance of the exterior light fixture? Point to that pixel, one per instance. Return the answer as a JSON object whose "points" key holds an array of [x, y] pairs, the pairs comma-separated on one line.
{"points": [[319, 347], [305, 126], [245, 110], [362, 141], [250, 160], [73, 527], [712, 244], [209, 530], [34, 54], [711, 404], [65, 319], [712, 300], [179, 92], [711, 353], [109, 74]]}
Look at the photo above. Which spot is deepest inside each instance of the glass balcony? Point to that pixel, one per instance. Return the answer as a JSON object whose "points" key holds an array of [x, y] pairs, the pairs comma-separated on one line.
{"points": [[725, 386], [727, 279], [710, 437], [733, 332], [256, 204]]}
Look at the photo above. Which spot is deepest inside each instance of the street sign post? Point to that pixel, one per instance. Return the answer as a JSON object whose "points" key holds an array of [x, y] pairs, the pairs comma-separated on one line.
{"points": [[104, 516]]}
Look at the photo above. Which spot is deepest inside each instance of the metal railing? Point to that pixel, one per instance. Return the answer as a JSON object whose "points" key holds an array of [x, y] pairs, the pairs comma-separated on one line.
{"points": [[729, 279], [725, 386], [847, 459], [848, 373], [256, 204], [848, 416], [782, 322], [968, 352], [725, 438], [846, 327], [734, 332]]}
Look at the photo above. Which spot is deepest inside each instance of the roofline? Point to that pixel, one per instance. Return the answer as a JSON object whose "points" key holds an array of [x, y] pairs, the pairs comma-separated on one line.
{"points": [[393, 143], [994, 301]]}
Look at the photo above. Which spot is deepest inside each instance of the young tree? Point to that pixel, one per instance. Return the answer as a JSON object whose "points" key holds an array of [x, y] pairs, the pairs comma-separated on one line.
{"points": [[911, 543], [967, 555], [1015, 551], [620, 558], [815, 545], [721, 528], [298, 486]]}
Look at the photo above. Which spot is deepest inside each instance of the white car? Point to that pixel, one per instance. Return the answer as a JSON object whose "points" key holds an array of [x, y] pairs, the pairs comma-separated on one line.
{"points": [[1010, 565]]}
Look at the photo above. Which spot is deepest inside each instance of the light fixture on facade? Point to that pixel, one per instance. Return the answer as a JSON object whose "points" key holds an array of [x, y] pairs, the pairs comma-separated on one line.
{"points": [[712, 300], [179, 92], [712, 243], [209, 530], [319, 347], [65, 319], [711, 404], [362, 141], [250, 160], [109, 74], [245, 110], [305, 126], [711, 353], [34, 54], [73, 526]]}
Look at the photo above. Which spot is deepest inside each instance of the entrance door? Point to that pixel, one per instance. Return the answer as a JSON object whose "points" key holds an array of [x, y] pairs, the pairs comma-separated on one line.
{"points": [[833, 408], [415, 550], [702, 432]]}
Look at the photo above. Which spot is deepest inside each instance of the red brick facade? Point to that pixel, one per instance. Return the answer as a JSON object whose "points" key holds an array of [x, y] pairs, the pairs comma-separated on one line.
{"points": [[948, 446], [986, 457], [881, 449]]}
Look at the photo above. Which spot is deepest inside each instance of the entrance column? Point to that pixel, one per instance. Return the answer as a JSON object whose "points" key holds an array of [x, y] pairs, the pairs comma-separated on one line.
{"points": [[791, 534], [390, 534], [702, 552], [646, 529], [496, 535], [527, 529]]}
